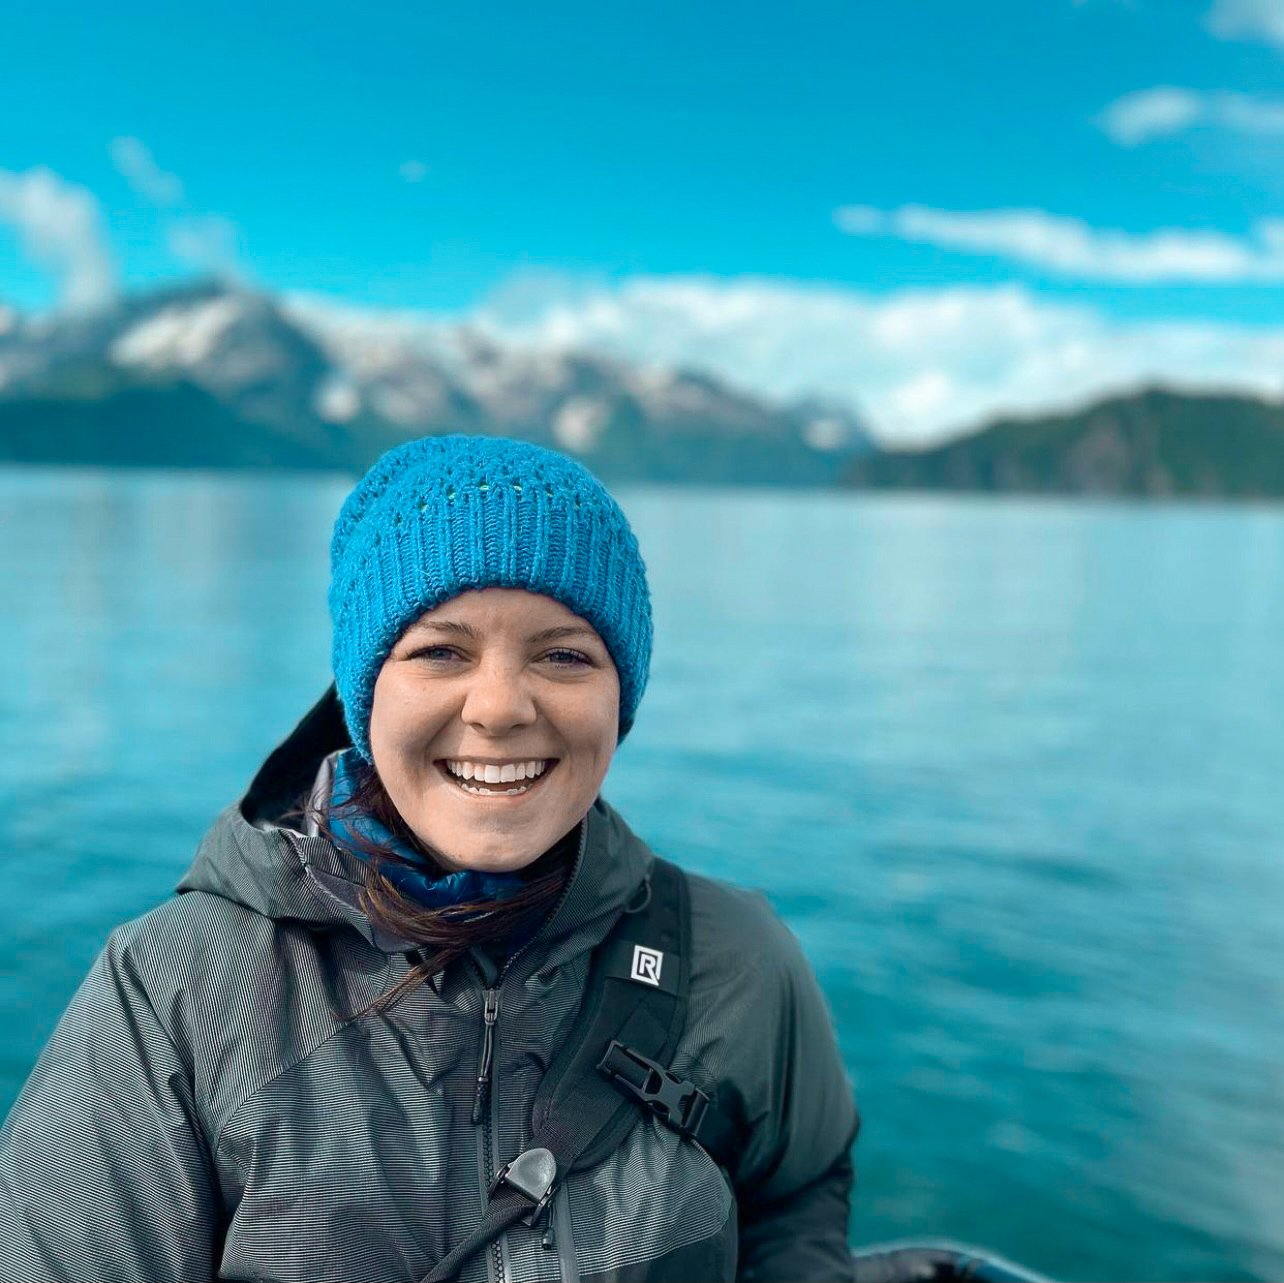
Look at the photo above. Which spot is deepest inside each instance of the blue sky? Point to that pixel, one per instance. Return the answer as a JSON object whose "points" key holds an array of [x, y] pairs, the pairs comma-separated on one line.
{"points": [[936, 211]]}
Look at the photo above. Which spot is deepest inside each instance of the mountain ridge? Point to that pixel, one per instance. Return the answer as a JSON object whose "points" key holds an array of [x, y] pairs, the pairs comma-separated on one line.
{"points": [[1153, 443], [204, 374]]}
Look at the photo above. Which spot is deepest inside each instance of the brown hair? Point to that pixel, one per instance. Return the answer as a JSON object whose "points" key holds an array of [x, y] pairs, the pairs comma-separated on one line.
{"points": [[442, 934]]}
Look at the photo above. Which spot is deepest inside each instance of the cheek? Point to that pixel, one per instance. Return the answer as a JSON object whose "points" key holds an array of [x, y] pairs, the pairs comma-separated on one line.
{"points": [[383, 713], [597, 729], [401, 720]]}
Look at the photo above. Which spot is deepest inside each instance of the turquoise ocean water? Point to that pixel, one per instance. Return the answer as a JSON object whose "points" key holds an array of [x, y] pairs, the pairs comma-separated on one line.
{"points": [[1010, 769]]}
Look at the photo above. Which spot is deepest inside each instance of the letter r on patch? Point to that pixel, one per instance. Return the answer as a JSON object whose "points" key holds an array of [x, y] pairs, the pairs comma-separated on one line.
{"points": [[646, 965]]}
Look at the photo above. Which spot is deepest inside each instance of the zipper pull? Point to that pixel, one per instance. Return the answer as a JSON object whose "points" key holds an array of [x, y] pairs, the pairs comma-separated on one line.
{"points": [[490, 1014]]}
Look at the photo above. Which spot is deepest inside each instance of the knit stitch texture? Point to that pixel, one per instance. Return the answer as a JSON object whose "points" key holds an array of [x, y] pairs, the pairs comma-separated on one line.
{"points": [[441, 515]]}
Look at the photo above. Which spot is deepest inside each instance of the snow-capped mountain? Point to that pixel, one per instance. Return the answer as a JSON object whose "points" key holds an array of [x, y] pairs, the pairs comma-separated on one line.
{"points": [[206, 374]]}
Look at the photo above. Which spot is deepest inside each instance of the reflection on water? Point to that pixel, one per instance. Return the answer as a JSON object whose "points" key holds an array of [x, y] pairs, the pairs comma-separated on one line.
{"points": [[1005, 766]]}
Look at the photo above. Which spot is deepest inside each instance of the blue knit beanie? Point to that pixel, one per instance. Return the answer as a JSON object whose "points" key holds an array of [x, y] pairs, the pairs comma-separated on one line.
{"points": [[436, 517]]}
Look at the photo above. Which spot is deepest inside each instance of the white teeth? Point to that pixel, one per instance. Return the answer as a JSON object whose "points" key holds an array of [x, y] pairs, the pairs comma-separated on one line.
{"points": [[488, 774], [521, 788]]}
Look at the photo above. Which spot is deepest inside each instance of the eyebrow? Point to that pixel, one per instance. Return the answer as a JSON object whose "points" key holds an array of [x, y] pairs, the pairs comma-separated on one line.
{"points": [[461, 629]]}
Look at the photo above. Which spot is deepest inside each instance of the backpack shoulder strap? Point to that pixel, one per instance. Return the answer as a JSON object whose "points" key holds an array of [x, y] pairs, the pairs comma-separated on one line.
{"points": [[627, 1031], [636, 997]]}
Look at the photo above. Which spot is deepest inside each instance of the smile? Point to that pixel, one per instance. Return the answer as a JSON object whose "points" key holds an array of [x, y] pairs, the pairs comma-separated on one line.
{"points": [[513, 779]]}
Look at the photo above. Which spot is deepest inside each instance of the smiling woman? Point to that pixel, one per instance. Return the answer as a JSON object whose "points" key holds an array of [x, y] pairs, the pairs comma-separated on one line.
{"points": [[452, 726], [425, 1007]]}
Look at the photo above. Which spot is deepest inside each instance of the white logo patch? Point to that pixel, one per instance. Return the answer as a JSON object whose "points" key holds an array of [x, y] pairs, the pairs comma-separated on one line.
{"points": [[646, 965]]}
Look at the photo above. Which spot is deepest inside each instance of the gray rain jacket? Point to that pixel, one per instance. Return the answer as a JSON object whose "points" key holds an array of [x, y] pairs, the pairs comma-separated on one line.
{"points": [[202, 1111]]}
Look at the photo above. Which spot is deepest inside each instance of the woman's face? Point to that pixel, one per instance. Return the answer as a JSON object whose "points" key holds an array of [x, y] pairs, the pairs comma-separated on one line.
{"points": [[486, 684]]}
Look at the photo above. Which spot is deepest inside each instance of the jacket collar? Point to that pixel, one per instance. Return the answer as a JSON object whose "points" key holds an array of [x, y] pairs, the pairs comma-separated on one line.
{"points": [[256, 855]]}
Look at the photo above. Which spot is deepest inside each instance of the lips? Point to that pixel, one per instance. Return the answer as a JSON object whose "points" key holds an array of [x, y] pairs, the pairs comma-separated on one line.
{"points": [[509, 772], [510, 791]]}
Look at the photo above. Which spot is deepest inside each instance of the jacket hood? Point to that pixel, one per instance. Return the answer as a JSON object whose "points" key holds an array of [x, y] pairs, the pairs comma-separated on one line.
{"points": [[257, 854]]}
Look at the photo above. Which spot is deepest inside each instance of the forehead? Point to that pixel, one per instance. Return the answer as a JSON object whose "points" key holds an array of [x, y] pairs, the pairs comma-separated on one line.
{"points": [[507, 610]]}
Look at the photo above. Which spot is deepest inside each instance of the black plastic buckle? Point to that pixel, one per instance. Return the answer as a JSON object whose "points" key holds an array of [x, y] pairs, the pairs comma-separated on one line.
{"points": [[678, 1101], [532, 1174]]}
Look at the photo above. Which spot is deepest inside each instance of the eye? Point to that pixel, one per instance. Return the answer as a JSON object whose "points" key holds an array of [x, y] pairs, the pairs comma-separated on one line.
{"points": [[567, 658], [433, 654]]}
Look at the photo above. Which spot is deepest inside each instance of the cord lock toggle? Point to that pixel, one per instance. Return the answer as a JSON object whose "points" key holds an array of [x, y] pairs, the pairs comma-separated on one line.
{"points": [[533, 1174]]}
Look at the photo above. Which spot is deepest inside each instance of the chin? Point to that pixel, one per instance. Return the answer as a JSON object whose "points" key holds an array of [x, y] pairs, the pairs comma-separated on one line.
{"points": [[482, 858]]}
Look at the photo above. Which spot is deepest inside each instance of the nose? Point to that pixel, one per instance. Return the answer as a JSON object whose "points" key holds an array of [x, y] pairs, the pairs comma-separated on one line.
{"points": [[497, 700]]}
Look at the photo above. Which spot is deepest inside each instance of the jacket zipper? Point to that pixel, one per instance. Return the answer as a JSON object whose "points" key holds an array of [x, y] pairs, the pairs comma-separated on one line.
{"points": [[487, 1089], [490, 1014], [485, 1064], [490, 1008], [497, 1243]]}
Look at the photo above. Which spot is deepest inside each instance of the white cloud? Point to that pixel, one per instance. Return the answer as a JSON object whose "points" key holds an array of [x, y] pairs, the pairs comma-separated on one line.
{"points": [[134, 160], [921, 364], [206, 242], [59, 227], [1248, 19], [1247, 115], [1152, 113], [1069, 247], [1164, 111], [413, 171]]}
